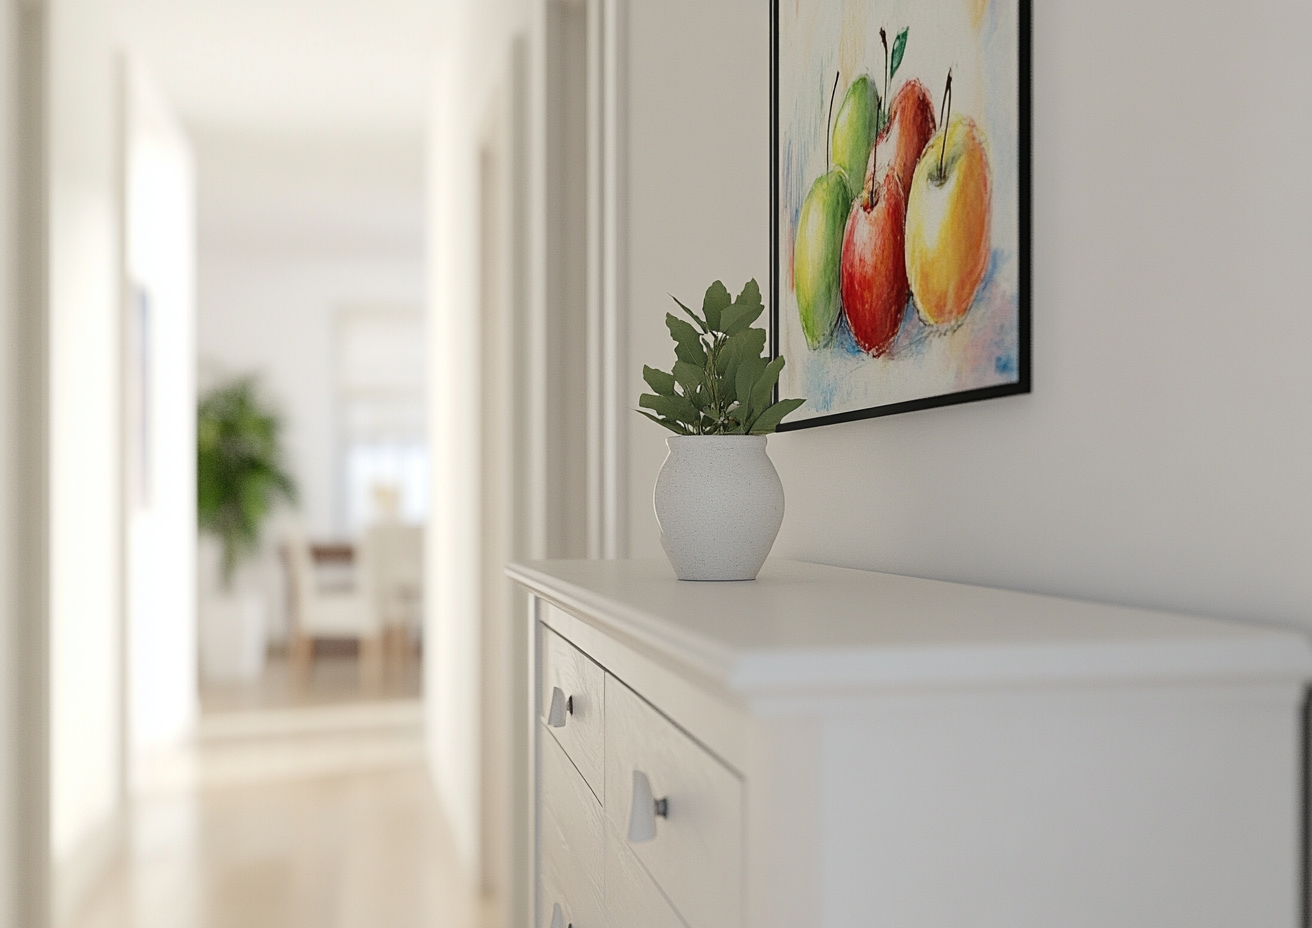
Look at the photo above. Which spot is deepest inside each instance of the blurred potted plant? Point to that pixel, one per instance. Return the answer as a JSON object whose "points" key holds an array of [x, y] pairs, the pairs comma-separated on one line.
{"points": [[240, 480], [719, 500]]}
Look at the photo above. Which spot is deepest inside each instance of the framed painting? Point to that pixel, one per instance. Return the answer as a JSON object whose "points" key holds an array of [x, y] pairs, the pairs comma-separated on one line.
{"points": [[900, 220]]}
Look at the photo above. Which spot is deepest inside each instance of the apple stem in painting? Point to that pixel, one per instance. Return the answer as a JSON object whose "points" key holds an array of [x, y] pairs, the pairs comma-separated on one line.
{"points": [[883, 37], [830, 122], [945, 112], [870, 181]]}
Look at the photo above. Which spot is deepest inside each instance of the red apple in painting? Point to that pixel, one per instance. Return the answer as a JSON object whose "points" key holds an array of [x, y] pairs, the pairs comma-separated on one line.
{"points": [[874, 269], [910, 127]]}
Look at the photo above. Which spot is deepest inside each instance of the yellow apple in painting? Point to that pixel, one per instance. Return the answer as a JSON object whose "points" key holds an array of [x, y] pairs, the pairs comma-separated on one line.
{"points": [[948, 212]]}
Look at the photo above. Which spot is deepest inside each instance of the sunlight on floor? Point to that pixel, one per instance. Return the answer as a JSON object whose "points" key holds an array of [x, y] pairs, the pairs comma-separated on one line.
{"points": [[309, 816]]}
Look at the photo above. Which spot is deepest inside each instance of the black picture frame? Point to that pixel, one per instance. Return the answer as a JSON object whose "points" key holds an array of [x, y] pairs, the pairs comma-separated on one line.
{"points": [[1022, 385]]}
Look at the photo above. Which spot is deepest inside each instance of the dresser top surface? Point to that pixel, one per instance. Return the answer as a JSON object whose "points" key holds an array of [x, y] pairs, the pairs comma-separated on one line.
{"points": [[808, 628]]}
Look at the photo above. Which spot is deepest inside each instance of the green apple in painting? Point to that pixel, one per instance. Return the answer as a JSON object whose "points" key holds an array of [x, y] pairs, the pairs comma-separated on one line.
{"points": [[948, 217], [855, 130], [816, 254]]}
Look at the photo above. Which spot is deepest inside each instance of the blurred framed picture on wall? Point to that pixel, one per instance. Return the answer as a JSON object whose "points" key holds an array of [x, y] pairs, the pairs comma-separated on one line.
{"points": [[900, 219]]}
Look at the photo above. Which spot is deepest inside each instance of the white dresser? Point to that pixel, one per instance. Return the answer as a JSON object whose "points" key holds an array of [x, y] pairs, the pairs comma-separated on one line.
{"points": [[838, 748]]}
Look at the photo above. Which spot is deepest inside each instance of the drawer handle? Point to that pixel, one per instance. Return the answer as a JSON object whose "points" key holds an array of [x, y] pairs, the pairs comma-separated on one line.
{"points": [[645, 810], [560, 706], [558, 917]]}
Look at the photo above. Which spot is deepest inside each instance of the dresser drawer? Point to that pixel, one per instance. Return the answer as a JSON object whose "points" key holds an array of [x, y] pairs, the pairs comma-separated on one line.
{"points": [[632, 899], [578, 724], [696, 853], [570, 842]]}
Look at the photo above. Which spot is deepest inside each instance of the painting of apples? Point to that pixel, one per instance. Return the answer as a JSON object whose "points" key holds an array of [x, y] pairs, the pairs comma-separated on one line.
{"points": [[901, 203]]}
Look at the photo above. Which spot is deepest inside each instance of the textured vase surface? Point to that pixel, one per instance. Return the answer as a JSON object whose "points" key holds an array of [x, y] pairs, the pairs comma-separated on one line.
{"points": [[719, 502]]}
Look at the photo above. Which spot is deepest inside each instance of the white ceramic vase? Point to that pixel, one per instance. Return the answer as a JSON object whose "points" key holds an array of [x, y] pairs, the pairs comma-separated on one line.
{"points": [[719, 502], [233, 637]]}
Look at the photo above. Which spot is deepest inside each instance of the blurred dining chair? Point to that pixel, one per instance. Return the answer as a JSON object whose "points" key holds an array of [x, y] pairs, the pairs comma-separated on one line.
{"points": [[323, 609]]}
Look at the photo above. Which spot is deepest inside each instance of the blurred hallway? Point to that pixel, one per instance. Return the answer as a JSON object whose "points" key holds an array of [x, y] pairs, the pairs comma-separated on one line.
{"points": [[223, 216]]}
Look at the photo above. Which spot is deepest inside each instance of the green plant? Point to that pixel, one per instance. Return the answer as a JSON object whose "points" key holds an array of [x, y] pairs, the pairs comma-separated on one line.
{"points": [[721, 383], [239, 468]]}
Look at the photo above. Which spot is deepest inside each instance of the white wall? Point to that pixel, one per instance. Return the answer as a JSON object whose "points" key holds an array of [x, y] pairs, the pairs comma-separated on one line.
{"points": [[698, 192], [1164, 456], [22, 795], [85, 516], [160, 421], [472, 71]]}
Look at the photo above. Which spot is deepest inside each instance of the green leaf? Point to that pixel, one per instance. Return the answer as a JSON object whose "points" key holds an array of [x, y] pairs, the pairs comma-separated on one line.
{"points": [[239, 469], [738, 317], [687, 342], [738, 347], [677, 408], [744, 310], [769, 420], [701, 324], [748, 371], [751, 294], [675, 427], [721, 383], [689, 376], [745, 343], [659, 381], [716, 301], [899, 48], [763, 389]]}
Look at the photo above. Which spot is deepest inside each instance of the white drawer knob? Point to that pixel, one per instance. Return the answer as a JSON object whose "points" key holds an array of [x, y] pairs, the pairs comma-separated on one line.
{"points": [[645, 809], [560, 707], [558, 917]]}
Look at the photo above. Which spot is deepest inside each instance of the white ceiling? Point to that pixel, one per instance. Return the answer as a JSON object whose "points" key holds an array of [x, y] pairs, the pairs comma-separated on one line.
{"points": [[291, 66], [307, 117], [290, 195]]}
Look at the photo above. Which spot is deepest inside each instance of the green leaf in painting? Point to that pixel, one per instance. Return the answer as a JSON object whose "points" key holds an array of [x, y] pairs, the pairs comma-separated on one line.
{"points": [[899, 49], [659, 381], [769, 420], [716, 301]]}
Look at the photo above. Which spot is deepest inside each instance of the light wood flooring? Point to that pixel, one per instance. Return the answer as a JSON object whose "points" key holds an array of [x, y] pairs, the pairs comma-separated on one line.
{"points": [[335, 678], [289, 816]]}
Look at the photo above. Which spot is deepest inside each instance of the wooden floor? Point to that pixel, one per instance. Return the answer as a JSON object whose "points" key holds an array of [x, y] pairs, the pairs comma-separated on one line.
{"points": [[335, 678], [313, 814]]}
